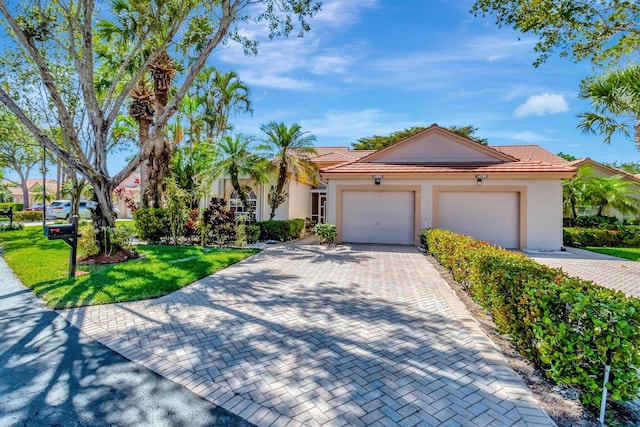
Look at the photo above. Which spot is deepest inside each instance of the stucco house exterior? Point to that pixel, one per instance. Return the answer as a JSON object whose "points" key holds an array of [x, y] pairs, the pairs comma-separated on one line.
{"points": [[508, 195], [602, 170]]}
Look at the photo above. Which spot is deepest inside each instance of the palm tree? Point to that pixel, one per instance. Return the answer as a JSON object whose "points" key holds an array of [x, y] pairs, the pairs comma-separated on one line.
{"points": [[236, 161], [291, 149], [574, 190], [613, 95], [221, 94], [612, 193]]}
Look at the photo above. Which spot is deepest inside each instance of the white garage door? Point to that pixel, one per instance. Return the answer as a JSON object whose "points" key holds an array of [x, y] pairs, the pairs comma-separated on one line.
{"points": [[493, 217], [378, 217]]}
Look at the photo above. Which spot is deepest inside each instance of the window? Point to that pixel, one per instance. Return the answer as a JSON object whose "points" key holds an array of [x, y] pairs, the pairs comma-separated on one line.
{"points": [[235, 204]]}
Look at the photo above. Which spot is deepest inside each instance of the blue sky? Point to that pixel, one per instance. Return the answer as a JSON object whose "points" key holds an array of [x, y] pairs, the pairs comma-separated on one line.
{"points": [[377, 66]]}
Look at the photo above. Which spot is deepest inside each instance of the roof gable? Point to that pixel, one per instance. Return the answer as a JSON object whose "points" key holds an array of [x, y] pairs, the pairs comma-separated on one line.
{"points": [[436, 145], [600, 169]]}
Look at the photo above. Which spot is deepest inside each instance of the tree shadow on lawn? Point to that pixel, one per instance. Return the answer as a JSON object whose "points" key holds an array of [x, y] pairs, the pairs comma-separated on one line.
{"points": [[128, 281], [342, 354]]}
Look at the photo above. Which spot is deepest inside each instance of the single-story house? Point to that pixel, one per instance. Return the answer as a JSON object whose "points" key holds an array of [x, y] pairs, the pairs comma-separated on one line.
{"points": [[601, 170], [17, 194], [508, 195]]}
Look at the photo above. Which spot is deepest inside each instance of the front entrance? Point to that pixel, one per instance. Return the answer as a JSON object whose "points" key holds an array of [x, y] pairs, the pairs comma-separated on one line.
{"points": [[318, 207]]}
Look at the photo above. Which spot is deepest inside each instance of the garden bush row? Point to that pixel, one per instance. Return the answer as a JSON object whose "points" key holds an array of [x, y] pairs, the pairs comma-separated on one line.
{"points": [[624, 236], [215, 226], [16, 206], [567, 326]]}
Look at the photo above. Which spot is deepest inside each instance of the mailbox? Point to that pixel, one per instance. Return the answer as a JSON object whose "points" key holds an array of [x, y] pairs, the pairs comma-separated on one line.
{"points": [[62, 231]]}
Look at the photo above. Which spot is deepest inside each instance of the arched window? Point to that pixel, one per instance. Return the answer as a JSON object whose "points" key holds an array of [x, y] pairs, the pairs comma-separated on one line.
{"points": [[235, 204]]}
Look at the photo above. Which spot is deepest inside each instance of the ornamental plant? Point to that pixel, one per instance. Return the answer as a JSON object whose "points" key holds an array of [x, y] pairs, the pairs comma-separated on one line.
{"points": [[568, 327], [326, 232]]}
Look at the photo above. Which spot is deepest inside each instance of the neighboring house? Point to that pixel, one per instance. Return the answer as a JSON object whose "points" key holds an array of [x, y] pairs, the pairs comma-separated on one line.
{"points": [[601, 170], [508, 195], [18, 196]]}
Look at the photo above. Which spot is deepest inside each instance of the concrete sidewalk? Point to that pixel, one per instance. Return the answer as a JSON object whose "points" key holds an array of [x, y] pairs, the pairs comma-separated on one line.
{"points": [[310, 335]]}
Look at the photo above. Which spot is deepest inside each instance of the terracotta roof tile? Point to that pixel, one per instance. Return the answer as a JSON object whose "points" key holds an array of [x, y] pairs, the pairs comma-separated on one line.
{"points": [[530, 152], [520, 166]]}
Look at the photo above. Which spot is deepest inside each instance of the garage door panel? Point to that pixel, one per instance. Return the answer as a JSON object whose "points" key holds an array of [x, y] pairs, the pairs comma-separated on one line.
{"points": [[378, 217], [493, 217]]}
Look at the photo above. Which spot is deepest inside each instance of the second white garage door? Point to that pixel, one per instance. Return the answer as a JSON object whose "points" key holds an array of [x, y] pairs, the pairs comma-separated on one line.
{"points": [[378, 217], [493, 217]]}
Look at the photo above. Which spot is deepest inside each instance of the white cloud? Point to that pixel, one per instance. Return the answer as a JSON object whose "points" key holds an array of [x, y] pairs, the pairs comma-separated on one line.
{"points": [[352, 125], [526, 136], [543, 104], [337, 13]]}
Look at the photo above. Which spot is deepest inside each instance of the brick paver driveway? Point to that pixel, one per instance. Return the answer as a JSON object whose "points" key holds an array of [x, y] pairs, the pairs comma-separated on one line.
{"points": [[611, 272], [305, 335]]}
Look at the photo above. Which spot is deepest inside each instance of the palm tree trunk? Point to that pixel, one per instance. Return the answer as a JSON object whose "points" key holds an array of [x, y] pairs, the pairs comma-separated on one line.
{"points": [[282, 179]]}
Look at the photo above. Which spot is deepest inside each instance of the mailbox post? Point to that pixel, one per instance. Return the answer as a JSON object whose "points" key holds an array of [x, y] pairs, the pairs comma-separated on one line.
{"points": [[68, 233]]}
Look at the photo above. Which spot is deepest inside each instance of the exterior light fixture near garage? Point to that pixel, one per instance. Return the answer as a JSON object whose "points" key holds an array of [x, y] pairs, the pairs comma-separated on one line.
{"points": [[481, 177], [377, 179]]}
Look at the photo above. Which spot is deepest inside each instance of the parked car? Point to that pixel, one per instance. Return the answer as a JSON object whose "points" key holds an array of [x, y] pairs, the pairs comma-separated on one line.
{"points": [[59, 209], [34, 208]]}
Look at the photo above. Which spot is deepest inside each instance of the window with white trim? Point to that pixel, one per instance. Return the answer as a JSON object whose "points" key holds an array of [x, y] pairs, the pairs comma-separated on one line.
{"points": [[236, 205]]}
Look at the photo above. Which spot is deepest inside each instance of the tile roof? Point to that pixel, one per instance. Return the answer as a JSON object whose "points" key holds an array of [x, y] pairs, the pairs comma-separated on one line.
{"points": [[614, 171], [339, 154], [530, 152], [518, 166]]}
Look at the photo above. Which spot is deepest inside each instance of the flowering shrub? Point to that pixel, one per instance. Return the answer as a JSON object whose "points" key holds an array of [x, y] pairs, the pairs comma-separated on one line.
{"points": [[567, 326]]}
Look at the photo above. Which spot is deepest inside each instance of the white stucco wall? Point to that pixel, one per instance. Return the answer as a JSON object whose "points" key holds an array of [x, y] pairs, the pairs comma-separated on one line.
{"points": [[299, 201], [543, 216]]}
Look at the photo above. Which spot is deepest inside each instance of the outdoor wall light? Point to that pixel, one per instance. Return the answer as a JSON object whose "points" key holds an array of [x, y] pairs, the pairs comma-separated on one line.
{"points": [[377, 179], [480, 177]]}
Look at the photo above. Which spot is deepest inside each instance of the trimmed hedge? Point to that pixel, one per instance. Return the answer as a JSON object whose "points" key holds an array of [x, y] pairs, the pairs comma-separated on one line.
{"points": [[152, 224], [282, 230], [16, 206], [565, 325], [625, 236], [29, 216]]}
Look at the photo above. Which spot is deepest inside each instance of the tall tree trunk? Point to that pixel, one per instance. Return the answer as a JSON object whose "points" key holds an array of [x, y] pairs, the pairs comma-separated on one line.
{"points": [[25, 190], [102, 215]]}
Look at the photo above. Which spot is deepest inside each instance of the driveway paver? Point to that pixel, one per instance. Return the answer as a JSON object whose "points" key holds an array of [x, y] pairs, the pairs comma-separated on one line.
{"points": [[308, 335], [604, 270]]}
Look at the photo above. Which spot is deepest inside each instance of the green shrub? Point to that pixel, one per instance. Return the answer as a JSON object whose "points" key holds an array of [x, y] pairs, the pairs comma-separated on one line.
{"points": [[246, 234], [631, 221], [282, 230], [252, 232], [87, 243], [30, 216], [326, 232], [16, 206], [597, 221], [565, 325], [580, 237], [152, 224]]}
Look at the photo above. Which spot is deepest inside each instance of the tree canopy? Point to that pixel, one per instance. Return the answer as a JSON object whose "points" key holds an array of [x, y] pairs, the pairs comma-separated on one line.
{"points": [[601, 31], [377, 142], [90, 57]]}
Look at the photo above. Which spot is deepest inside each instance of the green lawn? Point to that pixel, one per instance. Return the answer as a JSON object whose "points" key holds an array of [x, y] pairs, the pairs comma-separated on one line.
{"points": [[629, 253], [43, 266]]}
